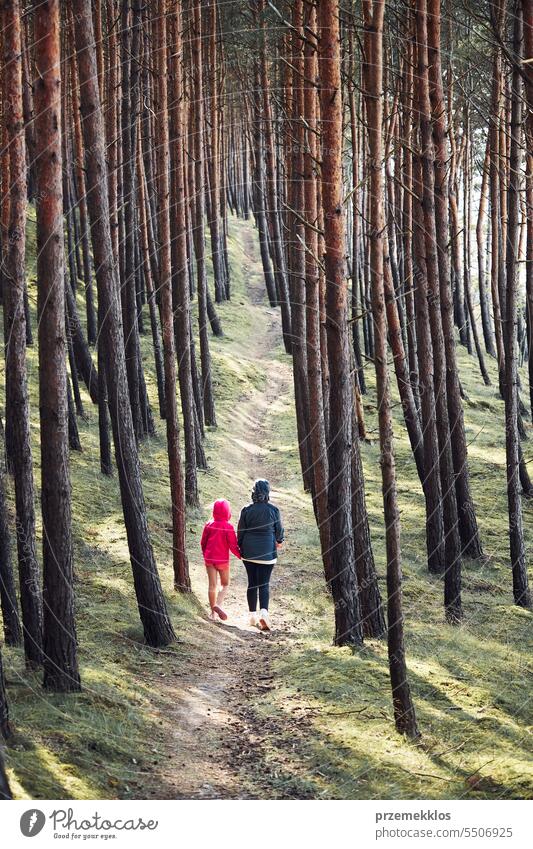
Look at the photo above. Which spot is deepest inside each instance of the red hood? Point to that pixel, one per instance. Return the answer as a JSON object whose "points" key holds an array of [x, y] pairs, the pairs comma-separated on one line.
{"points": [[221, 510]]}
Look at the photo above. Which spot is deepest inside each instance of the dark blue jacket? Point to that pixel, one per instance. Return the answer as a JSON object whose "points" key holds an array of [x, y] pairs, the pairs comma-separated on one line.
{"points": [[259, 530]]}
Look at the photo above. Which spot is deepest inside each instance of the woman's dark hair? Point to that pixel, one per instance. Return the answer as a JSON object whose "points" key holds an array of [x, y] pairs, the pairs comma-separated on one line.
{"points": [[261, 491]]}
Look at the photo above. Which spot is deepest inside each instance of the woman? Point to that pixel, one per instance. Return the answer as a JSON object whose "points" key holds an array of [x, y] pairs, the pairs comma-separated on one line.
{"points": [[260, 534]]}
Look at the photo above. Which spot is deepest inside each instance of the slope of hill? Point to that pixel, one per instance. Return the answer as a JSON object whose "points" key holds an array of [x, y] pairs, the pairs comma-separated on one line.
{"points": [[228, 712]]}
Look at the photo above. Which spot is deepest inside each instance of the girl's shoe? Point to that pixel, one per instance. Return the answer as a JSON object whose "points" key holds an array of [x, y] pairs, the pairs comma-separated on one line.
{"points": [[213, 615], [222, 613], [264, 620], [253, 620]]}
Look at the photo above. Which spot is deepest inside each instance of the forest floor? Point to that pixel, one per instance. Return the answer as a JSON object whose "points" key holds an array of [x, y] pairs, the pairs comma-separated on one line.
{"points": [[230, 712]]}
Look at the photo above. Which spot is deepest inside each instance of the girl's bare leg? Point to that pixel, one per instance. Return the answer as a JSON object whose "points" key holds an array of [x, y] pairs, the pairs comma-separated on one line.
{"points": [[212, 590], [224, 580]]}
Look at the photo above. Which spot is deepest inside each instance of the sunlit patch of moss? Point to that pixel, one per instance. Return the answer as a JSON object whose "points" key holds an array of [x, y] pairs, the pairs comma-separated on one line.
{"points": [[469, 683]]}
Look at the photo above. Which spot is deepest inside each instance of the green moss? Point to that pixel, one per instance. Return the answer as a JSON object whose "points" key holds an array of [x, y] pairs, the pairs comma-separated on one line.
{"points": [[337, 738]]}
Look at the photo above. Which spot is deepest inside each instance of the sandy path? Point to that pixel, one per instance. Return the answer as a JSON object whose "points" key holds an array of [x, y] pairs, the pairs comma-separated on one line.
{"points": [[221, 744]]}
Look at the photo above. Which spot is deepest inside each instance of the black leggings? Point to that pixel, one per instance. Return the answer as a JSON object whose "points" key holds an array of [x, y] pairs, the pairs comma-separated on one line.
{"points": [[258, 583]]}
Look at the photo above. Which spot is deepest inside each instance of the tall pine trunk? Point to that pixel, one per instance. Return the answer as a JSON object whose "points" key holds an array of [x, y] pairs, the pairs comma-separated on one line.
{"points": [[199, 212], [348, 626], [468, 528], [60, 649], [182, 580], [180, 282], [158, 629], [17, 405], [452, 544], [404, 712], [521, 591]]}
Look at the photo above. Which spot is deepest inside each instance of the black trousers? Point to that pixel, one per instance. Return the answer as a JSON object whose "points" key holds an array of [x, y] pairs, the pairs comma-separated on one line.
{"points": [[258, 584]]}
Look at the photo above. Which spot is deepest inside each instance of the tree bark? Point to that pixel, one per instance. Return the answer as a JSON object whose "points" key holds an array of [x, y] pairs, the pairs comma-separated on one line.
{"points": [[199, 208], [182, 581], [130, 35], [432, 481], [296, 241], [5, 729], [17, 406], [470, 541], [348, 626], [8, 594], [484, 294], [180, 283], [158, 629], [404, 711], [61, 672], [452, 573], [521, 591], [317, 427], [272, 193]]}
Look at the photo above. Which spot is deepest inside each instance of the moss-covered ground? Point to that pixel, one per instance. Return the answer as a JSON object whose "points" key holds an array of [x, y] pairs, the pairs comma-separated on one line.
{"points": [[149, 723]]}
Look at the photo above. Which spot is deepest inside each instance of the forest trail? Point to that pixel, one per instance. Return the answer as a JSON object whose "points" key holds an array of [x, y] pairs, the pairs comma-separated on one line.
{"points": [[220, 742]]}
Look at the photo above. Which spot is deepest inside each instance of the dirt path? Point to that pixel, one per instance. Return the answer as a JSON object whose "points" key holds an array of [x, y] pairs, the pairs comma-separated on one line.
{"points": [[222, 746]]}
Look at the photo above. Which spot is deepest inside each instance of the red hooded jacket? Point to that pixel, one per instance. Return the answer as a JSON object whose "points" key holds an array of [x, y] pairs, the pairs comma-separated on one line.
{"points": [[218, 537]]}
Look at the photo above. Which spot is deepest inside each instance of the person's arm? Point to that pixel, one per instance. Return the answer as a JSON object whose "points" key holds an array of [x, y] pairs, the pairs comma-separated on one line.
{"points": [[279, 531], [205, 535], [231, 536], [241, 527]]}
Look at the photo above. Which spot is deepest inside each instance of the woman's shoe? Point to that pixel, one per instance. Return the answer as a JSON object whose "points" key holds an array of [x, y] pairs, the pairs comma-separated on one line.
{"points": [[213, 615], [253, 620], [264, 620], [222, 613]]}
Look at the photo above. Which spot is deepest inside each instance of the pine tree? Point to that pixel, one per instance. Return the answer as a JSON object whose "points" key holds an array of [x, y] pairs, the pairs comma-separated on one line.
{"points": [[17, 405], [341, 557], [158, 629], [60, 648], [404, 712]]}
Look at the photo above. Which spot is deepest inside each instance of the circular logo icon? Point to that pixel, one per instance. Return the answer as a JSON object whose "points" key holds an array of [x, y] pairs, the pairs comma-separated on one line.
{"points": [[32, 822]]}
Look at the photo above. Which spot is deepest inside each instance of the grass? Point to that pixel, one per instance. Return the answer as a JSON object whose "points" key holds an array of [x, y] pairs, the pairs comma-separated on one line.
{"points": [[337, 739], [471, 684]]}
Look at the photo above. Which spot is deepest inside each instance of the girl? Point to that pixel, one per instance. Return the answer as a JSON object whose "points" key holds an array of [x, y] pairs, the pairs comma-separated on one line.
{"points": [[218, 539]]}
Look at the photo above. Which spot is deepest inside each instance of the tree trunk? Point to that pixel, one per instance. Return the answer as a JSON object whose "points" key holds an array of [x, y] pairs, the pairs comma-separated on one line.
{"points": [[130, 34], [521, 591], [527, 14], [80, 348], [5, 729], [149, 283], [272, 193], [182, 580], [432, 484], [296, 242], [404, 712], [494, 192], [401, 367], [260, 191], [484, 295], [17, 407], [180, 283], [158, 629], [198, 223], [60, 649], [82, 209], [348, 626], [317, 428], [452, 573], [468, 529], [5, 791], [214, 164], [8, 594]]}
